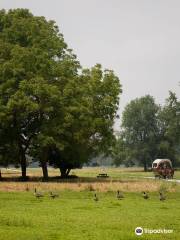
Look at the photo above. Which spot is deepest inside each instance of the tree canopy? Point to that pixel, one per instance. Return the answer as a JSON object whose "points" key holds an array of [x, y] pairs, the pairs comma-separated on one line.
{"points": [[50, 108], [149, 131], [169, 129], [139, 125]]}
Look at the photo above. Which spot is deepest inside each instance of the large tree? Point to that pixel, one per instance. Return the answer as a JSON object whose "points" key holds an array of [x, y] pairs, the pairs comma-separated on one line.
{"points": [[169, 129], [90, 103], [119, 152], [140, 129], [48, 108], [35, 64]]}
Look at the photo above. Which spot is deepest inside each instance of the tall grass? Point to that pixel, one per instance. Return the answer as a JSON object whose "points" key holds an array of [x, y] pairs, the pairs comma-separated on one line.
{"points": [[125, 180], [128, 186]]}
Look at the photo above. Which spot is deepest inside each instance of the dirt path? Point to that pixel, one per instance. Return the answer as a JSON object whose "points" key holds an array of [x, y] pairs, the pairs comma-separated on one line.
{"points": [[168, 180]]}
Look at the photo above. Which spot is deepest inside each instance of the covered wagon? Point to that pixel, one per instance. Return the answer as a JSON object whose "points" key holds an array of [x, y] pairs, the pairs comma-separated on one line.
{"points": [[162, 168]]}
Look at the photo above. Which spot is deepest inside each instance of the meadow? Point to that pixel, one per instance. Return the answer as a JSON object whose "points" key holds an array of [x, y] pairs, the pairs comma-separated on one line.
{"points": [[75, 215]]}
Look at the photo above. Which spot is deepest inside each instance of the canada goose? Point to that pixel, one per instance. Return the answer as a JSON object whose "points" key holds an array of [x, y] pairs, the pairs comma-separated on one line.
{"points": [[54, 195], [161, 196], [38, 194], [96, 199], [145, 195], [119, 195]]}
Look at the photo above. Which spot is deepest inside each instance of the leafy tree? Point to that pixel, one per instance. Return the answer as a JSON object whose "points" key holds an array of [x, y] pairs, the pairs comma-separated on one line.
{"points": [[48, 109], [90, 103], [169, 129], [139, 129], [119, 152], [35, 63]]}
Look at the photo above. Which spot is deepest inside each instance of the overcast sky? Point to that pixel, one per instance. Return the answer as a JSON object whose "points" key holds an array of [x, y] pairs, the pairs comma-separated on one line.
{"points": [[138, 39]]}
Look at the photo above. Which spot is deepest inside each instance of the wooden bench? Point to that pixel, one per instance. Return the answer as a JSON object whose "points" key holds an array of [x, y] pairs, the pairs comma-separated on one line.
{"points": [[102, 175]]}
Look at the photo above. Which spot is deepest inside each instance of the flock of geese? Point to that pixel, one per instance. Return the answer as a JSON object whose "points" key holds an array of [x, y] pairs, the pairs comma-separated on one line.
{"points": [[41, 195], [145, 195], [161, 196], [119, 195]]}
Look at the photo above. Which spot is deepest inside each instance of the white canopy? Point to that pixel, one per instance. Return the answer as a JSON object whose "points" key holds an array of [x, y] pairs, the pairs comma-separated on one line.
{"points": [[158, 161]]}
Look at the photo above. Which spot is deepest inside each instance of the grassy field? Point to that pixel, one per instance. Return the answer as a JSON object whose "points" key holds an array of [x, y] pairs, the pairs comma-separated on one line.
{"points": [[75, 215]]}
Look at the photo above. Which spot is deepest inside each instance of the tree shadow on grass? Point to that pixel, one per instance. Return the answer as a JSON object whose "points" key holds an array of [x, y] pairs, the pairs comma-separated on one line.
{"points": [[58, 179]]}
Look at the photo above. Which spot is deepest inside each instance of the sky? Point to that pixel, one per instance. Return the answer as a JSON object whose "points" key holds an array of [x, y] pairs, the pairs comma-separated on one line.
{"points": [[138, 39]]}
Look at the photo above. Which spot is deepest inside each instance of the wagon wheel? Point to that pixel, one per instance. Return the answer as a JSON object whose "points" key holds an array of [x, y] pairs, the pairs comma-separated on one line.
{"points": [[170, 176], [157, 176]]}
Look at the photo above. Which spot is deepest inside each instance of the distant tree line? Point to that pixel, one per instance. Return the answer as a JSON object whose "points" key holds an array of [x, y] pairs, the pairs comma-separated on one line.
{"points": [[149, 131], [50, 107]]}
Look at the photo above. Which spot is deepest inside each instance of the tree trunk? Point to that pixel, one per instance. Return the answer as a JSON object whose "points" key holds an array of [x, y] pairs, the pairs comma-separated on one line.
{"points": [[44, 169], [44, 163], [145, 166], [64, 172], [22, 156], [68, 171], [23, 166]]}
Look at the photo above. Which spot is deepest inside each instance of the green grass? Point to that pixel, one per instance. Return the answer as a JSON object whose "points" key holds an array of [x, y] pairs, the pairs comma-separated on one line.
{"points": [[114, 173], [120, 173], [76, 216]]}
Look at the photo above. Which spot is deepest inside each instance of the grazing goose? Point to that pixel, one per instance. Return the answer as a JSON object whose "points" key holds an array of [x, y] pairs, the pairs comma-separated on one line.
{"points": [[161, 196], [145, 195], [96, 199], [38, 194], [54, 195], [119, 195]]}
